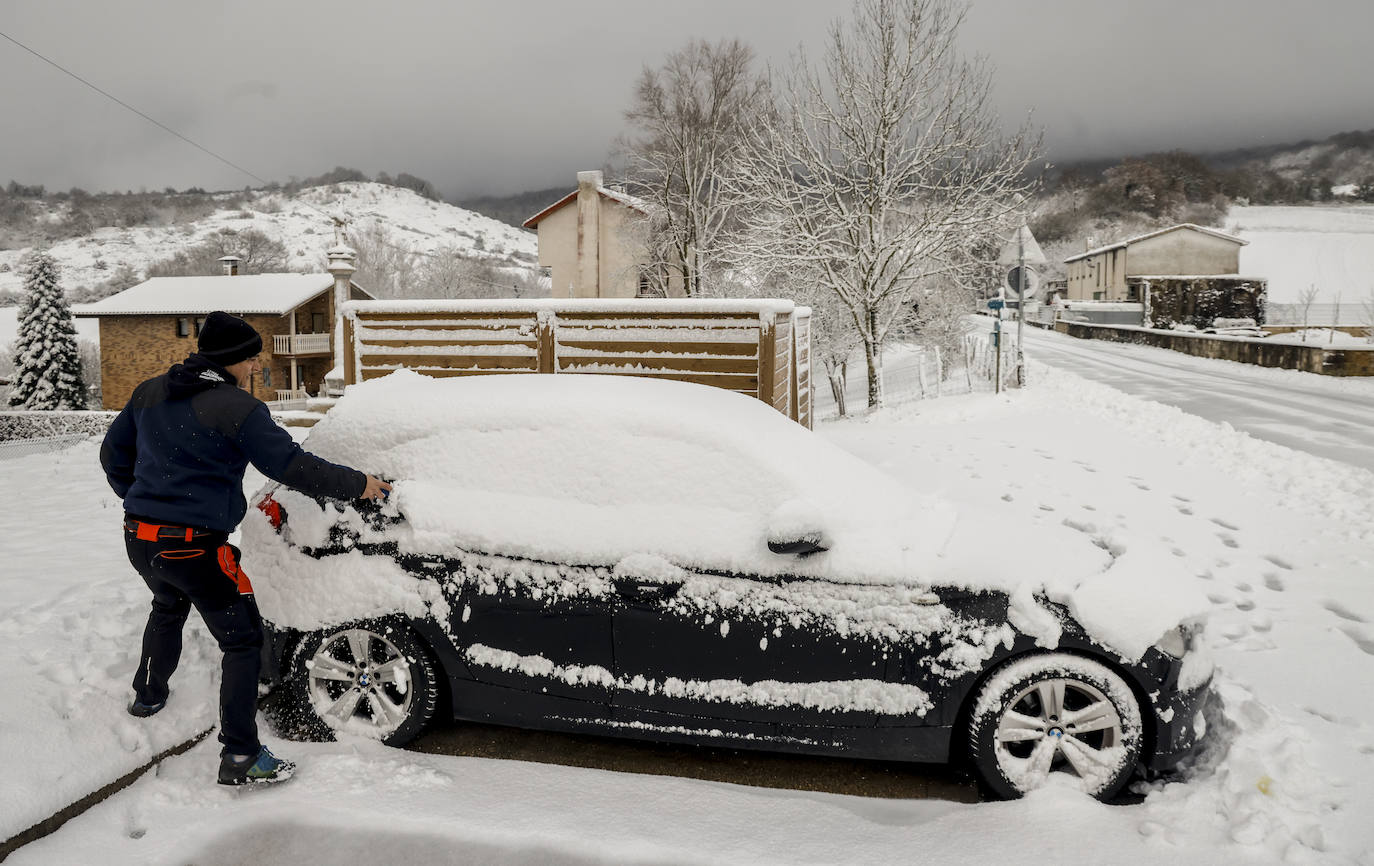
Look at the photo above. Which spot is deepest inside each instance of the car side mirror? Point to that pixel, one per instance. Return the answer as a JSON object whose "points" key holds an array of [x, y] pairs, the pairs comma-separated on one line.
{"points": [[799, 547]]}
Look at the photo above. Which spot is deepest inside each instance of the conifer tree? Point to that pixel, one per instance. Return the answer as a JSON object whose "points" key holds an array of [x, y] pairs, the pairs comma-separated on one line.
{"points": [[47, 363]]}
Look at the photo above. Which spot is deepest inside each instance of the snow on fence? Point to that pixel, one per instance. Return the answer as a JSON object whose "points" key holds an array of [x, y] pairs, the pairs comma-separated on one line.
{"points": [[39, 445], [760, 347], [912, 373]]}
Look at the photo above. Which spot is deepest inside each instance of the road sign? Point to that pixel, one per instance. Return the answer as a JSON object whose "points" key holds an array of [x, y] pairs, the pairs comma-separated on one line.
{"points": [[996, 304], [1021, 246], [1013, 283]]}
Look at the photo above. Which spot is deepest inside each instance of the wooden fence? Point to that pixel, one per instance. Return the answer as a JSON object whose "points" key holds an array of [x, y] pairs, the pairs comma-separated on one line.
{"points": [[760, 348]]}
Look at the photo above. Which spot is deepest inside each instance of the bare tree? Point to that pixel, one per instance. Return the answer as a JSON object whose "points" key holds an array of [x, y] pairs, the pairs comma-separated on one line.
{"points": [[1367, 315], [1335, 320], [386, 268], [1305, 300], [880, 168], [690, 118]]}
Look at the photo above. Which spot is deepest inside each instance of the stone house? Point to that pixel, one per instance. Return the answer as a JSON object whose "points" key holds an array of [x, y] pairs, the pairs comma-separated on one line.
{"points": [[147, 328], [1183, 274], [598, 248]]}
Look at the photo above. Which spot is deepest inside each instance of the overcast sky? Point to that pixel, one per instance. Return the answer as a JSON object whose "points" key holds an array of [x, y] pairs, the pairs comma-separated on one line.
{"points": [[511, 95]]}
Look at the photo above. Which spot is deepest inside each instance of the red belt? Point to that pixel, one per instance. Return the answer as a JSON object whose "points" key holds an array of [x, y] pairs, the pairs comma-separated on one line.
{"points": [[154, 531]]}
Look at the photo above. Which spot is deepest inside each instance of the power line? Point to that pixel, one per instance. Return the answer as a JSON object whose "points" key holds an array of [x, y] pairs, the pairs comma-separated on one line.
{"points": [[159, 124], [151, 120]]}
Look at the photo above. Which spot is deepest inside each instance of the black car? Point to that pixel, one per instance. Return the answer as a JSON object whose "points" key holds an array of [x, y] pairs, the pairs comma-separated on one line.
{"points": [[475, 595]]}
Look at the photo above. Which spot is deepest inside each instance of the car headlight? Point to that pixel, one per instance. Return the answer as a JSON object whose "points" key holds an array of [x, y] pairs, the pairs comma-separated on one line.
{"points": [[1174, 643]]}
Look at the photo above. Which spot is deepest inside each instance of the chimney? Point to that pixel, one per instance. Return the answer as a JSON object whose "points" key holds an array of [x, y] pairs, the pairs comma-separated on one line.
{"points": [[231, 265], [343, 261], [588, 235]]}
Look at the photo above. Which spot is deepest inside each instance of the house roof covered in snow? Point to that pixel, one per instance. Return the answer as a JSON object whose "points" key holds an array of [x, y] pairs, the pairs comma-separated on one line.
{"points": [[632, 202], [1138, 238], [273, 294]]}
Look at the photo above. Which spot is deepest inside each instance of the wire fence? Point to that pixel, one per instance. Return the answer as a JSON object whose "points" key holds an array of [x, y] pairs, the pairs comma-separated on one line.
{"points": [[39, 445], [912, 373]]}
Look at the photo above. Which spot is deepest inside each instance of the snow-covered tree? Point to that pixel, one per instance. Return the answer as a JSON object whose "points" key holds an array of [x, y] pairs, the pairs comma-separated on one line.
{"points": [[47, 360], [689, 120], [881, 168]]}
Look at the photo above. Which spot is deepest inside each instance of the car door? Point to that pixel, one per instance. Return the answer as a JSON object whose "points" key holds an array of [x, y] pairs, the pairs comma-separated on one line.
{"points": [[726, 647], [541, 629]]}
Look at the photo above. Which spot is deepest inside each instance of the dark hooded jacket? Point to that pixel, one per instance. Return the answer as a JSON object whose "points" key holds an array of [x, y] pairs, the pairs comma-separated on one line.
{"points": [[177, 452]]}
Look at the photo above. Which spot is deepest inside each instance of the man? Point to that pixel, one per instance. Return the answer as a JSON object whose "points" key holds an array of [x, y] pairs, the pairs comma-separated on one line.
{"points": [[176, 455]]}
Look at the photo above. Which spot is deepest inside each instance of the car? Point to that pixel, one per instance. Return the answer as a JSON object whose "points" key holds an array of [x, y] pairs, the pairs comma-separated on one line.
{"points": [[669, 561]]}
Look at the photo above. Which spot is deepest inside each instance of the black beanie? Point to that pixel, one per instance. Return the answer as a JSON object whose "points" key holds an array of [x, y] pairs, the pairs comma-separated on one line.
{"points": [[227, 339]]}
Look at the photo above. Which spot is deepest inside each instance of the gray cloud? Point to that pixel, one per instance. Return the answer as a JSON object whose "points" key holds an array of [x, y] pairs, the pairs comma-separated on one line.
{"points": [[487, 97]]}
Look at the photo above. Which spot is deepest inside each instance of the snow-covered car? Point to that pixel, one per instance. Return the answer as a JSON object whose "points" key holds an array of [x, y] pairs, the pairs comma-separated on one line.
{"points": [[668, 561]]}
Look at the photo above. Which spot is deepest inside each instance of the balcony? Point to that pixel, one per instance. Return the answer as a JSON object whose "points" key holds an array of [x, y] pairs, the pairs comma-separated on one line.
{"points": [[300, 344]]}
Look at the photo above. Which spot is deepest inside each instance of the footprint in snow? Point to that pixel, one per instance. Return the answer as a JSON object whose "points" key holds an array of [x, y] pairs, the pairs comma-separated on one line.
{"points": [[1081, 526], [1244, 587], [1214, 598], [1142, 486], [1245, 604], [1178, 551], [1223, 524], [1182, 498], [1046, 507], [1183, 509], [1360, 640], [1279, 561], [1342, 611], [1006, 497], [1273, 582], [1227, 540]]}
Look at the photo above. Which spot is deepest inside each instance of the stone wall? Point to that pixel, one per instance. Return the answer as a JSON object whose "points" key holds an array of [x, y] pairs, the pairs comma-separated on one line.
{"points": [[1197, 301], [1311, 359]]}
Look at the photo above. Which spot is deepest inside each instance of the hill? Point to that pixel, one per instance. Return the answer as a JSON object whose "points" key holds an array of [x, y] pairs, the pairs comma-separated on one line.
{"points": [[514, 209], [400, 236]]}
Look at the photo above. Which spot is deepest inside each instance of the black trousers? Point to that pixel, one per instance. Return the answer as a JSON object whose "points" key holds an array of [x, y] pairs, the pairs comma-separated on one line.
{"points": [[203, 572]]}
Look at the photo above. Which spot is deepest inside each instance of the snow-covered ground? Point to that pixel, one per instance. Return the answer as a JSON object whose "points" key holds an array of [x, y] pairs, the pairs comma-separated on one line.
{"points": [[1330, 247], [1281, 542]]}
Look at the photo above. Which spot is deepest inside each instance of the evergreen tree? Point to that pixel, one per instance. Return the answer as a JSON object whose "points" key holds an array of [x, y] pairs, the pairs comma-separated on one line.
{"points": [[46, 359]]}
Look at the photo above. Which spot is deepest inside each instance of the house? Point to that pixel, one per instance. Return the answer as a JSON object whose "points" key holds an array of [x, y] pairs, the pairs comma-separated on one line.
{"points": [[147, 328], [595, 241], [1184, 274]]}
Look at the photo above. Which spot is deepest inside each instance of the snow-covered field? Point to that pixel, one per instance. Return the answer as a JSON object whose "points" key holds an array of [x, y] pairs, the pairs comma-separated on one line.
{"points": [[1329, 247], [1281, 542]]}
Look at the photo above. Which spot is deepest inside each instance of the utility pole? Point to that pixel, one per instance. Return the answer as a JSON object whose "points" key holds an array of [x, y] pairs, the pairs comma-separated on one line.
{"points": [[1020, 306]]}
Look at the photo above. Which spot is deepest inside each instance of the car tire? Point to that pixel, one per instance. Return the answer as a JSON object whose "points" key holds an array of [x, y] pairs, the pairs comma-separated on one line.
{"points": [[1055, 715], [390, 696]]}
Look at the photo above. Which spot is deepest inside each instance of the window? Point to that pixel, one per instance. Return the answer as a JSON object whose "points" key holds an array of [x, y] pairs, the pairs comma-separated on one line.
{"points": [[200, 323], [317, 324], [184, 328], [267, 377]]}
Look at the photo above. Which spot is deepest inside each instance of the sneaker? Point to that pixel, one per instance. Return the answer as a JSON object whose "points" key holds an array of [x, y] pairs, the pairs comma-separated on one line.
{"points": [[142, 710], [264, 767]]}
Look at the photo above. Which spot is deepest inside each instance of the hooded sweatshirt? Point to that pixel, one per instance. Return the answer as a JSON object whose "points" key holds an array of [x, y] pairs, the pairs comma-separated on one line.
{"points": [[177, 452]]}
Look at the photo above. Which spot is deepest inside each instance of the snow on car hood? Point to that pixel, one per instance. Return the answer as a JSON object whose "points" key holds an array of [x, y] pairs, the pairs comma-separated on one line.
{"points": [[591, 469]]}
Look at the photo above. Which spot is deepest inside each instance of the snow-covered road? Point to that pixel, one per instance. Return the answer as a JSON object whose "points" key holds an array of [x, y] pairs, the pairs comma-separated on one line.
{"points": [[1323, 416]]}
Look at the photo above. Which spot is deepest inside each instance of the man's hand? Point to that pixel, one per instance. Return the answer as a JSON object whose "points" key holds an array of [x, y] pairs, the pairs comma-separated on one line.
{"points": [[376, 489]]}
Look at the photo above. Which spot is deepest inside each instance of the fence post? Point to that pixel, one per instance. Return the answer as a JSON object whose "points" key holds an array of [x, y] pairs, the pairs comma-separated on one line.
{"points": [[544, 340], [939, 371], [768, 355], [350, 371]]}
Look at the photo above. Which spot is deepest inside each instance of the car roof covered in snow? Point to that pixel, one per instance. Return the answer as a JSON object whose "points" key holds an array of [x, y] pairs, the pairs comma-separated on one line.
{"points": [[588, 470]]}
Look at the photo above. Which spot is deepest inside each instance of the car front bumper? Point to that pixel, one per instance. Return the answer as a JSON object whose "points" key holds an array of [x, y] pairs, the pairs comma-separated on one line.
{"points": [[1180, 726]]}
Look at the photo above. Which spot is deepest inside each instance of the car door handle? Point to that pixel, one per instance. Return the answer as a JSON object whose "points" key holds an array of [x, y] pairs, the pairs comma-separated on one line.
{"points": [[646, 590]]}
